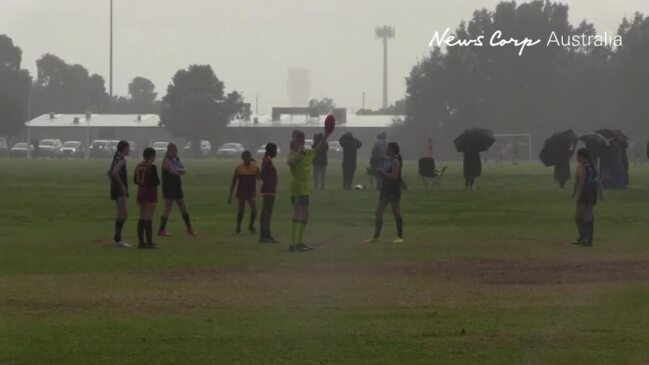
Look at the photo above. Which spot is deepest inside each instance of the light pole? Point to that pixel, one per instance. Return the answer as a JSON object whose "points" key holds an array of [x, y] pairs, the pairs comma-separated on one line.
{"points": [[111, 56], [384, 33], [29, 122]]}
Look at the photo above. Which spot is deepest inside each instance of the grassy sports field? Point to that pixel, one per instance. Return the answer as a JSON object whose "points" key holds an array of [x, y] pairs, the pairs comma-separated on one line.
{"points": [[485, 277]]}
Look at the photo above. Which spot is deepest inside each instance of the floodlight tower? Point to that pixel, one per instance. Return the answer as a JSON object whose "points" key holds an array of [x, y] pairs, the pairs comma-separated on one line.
{"points": [[384, 33], [110, 83]]}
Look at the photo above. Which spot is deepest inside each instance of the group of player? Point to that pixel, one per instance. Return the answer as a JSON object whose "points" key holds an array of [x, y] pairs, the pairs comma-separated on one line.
{"points": [[147, 180], [244, 181], [587, 191]]}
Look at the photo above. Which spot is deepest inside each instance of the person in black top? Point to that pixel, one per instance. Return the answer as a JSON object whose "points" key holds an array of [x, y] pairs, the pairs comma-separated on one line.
{"points": [[350, 147], [587, 191], [320, 162], [472, 168], [268, 189], [172, 190], [119, 191], [390, 192]]}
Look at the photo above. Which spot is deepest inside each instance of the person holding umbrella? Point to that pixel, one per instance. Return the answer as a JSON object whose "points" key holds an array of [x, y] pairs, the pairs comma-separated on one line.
{"points": [[471, 142], [557, 151], [472, 165]]}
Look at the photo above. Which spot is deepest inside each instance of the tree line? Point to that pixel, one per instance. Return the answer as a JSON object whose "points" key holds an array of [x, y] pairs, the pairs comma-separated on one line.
{"points": [[195, 106], [544, 90]]}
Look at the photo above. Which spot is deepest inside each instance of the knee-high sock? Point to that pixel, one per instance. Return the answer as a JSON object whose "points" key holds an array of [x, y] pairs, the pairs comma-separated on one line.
{"points": [[239, 219], [378, 226], [188, 222], [253, 217], [149, 231], [590, 230], [399, 222], [580, 229], [300, 231], [294, 230], [163, 223], [140, 231], [119, 225]]}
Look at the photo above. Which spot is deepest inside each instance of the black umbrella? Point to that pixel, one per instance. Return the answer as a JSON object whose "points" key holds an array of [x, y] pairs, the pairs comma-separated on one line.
{"points": [[594, 142], [612, 134], [559, 147], [474, 140], [615, 135]]}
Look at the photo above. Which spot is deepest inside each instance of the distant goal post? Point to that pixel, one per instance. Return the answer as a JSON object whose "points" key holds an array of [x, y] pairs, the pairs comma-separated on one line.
{"points": [[514, 146]]}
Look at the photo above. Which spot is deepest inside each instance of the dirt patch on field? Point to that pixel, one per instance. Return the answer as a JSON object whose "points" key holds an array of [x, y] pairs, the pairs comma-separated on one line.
{"points": [[491, 271]]}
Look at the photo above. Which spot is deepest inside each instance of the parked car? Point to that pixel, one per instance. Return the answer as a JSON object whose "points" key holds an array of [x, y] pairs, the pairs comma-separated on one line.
{"points": [[50, 148], [20, 149], [335, 147], [111, 146], [262, 150], [99, 149], [4, 148], [160, 148], [230, 150], [205, 148], [72, 149]]}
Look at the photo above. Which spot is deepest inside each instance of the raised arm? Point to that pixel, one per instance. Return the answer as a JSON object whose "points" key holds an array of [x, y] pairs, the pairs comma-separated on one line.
{"points": [[323, 142]]}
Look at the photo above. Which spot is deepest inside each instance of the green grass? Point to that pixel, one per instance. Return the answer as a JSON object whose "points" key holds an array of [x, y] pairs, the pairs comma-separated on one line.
{"points": [[485, 277]]}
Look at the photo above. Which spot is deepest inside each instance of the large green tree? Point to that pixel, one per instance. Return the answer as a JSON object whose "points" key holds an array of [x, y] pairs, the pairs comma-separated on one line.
{"points": [[64, 88], [542, 90], [14, 88], [196, 106]]}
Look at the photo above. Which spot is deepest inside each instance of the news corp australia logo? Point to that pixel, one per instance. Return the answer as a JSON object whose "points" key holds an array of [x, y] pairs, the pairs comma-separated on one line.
{"points": [[608, 39]]}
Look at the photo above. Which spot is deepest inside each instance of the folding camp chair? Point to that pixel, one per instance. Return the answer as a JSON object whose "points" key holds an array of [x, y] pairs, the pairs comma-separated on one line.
{"points": [[428, 173]]}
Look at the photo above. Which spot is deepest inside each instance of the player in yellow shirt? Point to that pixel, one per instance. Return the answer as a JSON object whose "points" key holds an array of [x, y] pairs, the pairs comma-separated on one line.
{"points": [[300, 161]]}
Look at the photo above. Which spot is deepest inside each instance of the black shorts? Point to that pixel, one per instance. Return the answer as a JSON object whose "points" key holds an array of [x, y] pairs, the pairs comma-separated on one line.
{"points": [[589, 198], [116, 192], [172, 192], [390, 191], [302, 200]]}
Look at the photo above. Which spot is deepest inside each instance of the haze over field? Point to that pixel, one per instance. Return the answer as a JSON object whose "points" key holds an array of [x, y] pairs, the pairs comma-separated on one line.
{"points": [[252, 43]]}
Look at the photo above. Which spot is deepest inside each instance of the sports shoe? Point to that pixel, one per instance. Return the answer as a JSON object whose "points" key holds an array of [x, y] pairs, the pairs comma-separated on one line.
{"points": [[586, 244], [578, 242], [399, 240], [304, 247], [299, 248], [238, 230], [371, 240], [147, 246], [191, 232], [164, 234], [121, 244]]}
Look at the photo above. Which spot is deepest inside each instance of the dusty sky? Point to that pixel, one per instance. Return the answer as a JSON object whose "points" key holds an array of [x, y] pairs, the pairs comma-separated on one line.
{"points": [[252, 43]]}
